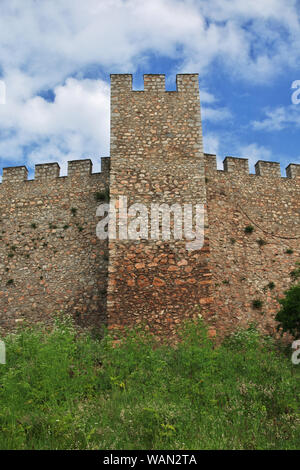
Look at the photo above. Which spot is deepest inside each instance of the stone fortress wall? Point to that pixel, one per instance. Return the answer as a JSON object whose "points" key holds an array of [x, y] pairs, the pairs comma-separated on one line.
{"points": [[51, 259], [247, 267]]}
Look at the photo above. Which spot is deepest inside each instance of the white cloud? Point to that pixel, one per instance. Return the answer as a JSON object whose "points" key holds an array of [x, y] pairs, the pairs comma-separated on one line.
{"points": [[207, 97], [214, 144], [76, 124], [53, 39], [211, 144], [212, 114], [279, 118], [43, 44], [218, 114], [254, 153]]}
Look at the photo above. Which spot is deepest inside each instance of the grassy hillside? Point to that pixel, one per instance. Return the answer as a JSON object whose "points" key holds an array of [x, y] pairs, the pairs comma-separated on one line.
{"points": [[59, 390]]}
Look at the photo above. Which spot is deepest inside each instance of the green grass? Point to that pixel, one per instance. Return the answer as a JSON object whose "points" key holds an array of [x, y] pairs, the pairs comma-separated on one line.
{"points": [[60, 390]]}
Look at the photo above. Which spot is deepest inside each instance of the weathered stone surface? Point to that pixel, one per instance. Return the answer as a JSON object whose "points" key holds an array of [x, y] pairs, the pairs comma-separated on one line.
{"points": [[156, 157], [51, 259], [244, 264]]}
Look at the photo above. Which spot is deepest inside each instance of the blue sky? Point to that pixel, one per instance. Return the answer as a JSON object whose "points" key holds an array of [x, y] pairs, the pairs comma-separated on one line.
{"points": [[56, 58]]}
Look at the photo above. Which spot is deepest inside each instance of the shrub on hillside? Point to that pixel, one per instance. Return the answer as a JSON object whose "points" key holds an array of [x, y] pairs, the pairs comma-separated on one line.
{"points": [[289, 314], [64, 390]]}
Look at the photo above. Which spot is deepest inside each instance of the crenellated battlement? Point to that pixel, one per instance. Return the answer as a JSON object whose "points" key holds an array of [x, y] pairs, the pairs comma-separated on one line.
{"points": [[236, 165], [185, 83], [240, 166], [233, 165], [51, 171], [293, 170], [47, 171], [15, 174], [52, 260]]}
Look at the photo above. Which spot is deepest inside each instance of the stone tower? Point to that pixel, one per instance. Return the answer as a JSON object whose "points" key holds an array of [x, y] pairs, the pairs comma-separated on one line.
{"points": [[52, 260], [156, 157]]}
